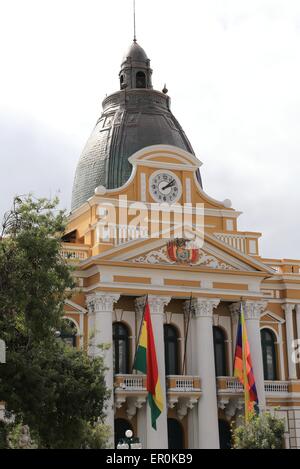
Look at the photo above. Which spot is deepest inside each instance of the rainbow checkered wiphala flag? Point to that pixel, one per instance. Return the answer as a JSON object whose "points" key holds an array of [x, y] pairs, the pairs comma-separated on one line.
{"points": [[243, 366], [146, 362]]}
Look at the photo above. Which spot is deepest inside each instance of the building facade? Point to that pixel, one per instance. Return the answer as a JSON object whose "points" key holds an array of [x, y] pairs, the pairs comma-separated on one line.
{"points": [[195, 279]]}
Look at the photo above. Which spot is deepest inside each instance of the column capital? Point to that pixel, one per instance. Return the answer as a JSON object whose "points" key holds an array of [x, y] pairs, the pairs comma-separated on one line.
{"points": [[298, 308], [234, 309], [252, 309], [289, 307], [140, 304], [156, 303], [100, 302], [204, 307]]}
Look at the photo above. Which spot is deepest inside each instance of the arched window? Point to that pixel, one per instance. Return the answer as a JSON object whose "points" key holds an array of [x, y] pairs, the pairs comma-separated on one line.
{"points": [[140, 80], [121, 348], [68, 332], [175, 434], [121, 425], [268, 340], [220, 352], [171, 350]]}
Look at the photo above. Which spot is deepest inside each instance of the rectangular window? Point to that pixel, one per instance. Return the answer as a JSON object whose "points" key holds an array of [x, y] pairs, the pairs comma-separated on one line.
{"points": [[229, 225], [252, 246]]}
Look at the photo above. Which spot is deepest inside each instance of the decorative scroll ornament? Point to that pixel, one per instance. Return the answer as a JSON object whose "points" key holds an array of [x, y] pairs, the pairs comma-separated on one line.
{"points": [[180, 251], [161, 256]]}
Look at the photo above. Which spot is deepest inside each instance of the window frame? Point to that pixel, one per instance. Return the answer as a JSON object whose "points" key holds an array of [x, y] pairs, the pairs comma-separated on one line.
{"points": [[264, 344], [222, 342], [116, 348], [171, 340]]}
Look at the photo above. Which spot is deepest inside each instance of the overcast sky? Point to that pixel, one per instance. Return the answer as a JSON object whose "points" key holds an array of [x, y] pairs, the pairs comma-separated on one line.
{"points": [[232, 68]]}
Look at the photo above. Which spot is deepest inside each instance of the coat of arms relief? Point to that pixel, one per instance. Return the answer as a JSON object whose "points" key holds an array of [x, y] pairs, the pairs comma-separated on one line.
{"points": [[178, 251]]}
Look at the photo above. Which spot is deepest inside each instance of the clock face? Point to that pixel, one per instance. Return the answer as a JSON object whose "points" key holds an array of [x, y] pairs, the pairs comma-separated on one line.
{"points": [[165, 187]]}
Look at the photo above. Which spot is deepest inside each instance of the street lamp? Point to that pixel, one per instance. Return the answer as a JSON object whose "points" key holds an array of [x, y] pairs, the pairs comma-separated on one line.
{"points": [[129, 442]]}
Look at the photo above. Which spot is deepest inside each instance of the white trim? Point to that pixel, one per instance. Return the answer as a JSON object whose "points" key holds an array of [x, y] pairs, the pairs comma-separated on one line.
{"points": [[188, 159], [273, 315], [181, 289], [75, 323], [271, 329], [80, 309], [188, 194], [143, 187]]}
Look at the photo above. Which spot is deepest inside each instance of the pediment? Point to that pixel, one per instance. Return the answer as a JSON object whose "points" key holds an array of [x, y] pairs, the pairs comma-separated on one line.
{"points": [[271, 318], [160, 256], [212, 255], [168, 155], [72, 307]]}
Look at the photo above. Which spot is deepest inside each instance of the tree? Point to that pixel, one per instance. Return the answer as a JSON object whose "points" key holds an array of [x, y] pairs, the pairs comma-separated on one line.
{"points": [[58, 391], [263, 431]]}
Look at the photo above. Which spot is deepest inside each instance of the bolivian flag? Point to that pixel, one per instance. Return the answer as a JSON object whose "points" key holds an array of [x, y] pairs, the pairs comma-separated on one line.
{"points": [[146, 362], [243, 369]]}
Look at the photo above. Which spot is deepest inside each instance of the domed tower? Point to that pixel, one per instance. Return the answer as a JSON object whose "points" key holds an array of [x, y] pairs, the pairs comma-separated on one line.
{"points": [[135, 69], [133, 118]]}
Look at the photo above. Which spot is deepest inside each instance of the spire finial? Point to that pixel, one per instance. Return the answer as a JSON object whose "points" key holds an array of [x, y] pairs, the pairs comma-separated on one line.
{"points": [[134, 22]]}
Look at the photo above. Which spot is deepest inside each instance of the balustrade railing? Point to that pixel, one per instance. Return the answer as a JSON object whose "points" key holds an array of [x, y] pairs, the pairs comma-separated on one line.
{"points": [[230, 384], [74, 253]]}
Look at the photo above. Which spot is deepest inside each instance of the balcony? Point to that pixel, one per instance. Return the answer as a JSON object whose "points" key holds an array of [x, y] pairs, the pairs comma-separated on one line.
{"points": [[75, 253], [275, 387], [229, 385], [183, 392], [130, 390], [231, 394]]}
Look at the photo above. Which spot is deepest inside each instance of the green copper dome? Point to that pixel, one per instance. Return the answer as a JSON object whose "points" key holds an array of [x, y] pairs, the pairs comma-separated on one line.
{"points": [[133, 118]]}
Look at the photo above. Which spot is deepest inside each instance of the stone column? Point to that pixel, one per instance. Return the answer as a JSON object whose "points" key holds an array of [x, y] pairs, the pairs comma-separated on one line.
{"points": [[252, 312], [290, 336], [208, 431], [158, 439], [298, 320], [100, 310]]}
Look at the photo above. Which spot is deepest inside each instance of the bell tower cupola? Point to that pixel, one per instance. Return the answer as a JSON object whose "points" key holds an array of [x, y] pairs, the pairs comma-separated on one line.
{"points": [[135, 69]]}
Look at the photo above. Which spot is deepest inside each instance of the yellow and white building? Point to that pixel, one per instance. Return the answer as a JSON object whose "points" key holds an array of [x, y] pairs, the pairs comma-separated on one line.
{"points": [[136, 145]]}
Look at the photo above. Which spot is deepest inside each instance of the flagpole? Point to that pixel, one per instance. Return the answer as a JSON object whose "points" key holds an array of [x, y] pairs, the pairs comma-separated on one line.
{"points": [[139, 334], [186, 336]]}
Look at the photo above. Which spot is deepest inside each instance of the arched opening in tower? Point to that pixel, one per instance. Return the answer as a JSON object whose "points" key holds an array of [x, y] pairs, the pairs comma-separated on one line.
{"points": [[140, 80]]}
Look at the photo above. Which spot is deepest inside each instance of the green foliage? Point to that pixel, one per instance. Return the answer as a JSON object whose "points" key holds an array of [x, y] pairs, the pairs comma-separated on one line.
{"points": [[18, 437], [58, 391], [3, 435], [55, 390], [264, 431], [96, 436], [34, 277]]}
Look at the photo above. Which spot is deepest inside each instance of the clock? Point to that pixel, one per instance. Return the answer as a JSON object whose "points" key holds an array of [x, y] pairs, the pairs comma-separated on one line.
{"points": [[165, 187]]}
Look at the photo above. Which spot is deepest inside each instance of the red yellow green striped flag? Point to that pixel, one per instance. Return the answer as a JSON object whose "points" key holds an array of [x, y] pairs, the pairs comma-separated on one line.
{"points": [[146, 362], [243, 366]]}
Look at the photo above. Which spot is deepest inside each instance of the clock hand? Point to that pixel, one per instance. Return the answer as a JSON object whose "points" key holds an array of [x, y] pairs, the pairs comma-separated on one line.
{"points": [[169, 185]]}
